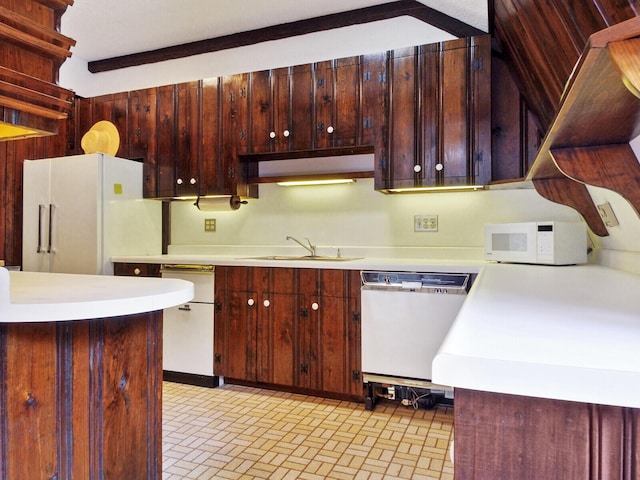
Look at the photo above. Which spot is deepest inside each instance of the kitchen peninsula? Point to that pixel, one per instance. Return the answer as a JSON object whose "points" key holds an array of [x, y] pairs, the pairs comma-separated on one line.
{"points": [[81, 371]]}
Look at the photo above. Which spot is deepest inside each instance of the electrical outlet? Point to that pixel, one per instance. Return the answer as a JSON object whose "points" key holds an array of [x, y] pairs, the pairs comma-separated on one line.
{"points": [[209, 224], [425, 223]]}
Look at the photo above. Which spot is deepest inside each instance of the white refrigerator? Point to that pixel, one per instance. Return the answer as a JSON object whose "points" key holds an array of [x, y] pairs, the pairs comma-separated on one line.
{"points": [[81, 210]]}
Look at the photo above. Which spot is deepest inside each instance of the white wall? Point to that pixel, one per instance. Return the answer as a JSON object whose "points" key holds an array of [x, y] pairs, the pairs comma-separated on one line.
{"points": [[357, 215]]}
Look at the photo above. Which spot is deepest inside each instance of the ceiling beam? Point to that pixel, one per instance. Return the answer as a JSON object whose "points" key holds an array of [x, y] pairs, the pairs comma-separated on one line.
{"points": [[359, 16]]}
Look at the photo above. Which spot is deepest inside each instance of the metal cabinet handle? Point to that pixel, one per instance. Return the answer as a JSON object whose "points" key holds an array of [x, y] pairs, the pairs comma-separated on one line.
{"points": [[40, 211], [185, 308], [52, 209]]}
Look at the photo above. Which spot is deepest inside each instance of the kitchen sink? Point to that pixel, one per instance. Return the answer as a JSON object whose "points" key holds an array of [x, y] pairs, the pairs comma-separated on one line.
{"points": [[304, 257]]}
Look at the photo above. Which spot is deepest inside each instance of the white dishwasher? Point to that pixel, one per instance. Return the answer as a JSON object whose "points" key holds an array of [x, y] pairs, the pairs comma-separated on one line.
{"points": [[405, 317], [188, 329]]}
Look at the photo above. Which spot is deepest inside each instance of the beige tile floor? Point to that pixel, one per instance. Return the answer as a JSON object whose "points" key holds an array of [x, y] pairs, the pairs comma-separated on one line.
{"points": [[236, 432]]}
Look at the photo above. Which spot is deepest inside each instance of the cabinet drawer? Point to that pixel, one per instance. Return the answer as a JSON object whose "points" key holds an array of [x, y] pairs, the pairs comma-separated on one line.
{"points": [[136, 269]]}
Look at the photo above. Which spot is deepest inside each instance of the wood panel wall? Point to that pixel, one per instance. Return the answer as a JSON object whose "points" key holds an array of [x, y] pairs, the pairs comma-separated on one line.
{"points": [[541, 41]]}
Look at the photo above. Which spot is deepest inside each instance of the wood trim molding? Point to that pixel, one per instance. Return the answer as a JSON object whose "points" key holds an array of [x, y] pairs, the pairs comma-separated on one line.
{"points": [[588, 142], [568, 192], [359, 16]]}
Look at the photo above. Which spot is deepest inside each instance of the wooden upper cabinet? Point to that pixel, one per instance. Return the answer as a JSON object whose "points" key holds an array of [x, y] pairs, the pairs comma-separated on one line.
{"points": [[374, 116], [404, 76], [166, 140], [211, 169], [337, 103], [142, 136], [188, 135], [234, 131], [439, 115], [114, 108]]}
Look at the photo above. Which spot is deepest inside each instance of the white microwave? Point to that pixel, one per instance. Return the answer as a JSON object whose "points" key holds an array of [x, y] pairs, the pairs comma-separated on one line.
{"points": [[548, 243]]}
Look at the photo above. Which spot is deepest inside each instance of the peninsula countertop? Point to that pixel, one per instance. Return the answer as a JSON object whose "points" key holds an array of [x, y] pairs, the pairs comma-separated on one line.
{"points": [[47, 297], [567, 333]]}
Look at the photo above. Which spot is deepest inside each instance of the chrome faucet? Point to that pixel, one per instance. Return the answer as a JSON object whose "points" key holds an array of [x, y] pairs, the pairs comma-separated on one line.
{"points": [[310, 248]]}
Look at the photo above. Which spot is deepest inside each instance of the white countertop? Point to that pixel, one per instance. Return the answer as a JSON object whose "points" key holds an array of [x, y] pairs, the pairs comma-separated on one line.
{"points": [[568, 333], [46, 297], [366, 263]]}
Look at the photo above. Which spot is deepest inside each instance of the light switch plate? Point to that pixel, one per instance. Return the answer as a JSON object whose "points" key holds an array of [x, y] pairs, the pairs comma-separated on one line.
{"points": [[425, 223]]}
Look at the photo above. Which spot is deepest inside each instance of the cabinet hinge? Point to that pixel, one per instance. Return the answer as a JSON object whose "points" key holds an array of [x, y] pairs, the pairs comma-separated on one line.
{"points": [[366, 123], [217, 357], [218, 306], [366, 76], [355, 375], [231, 172], [477, 156], [320, 82], [355, 316], [382, 77], [304, 368], [478, 64], [304, 312]]}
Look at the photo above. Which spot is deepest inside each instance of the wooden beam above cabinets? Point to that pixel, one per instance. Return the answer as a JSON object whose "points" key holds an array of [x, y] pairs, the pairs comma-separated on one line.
{"points": [[359, 16]]}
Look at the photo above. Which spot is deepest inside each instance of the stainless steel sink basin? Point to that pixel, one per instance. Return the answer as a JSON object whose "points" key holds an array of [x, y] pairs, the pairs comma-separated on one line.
{"points": [[304, 257]]}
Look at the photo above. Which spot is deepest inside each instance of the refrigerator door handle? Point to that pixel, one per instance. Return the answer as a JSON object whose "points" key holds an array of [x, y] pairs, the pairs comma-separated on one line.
{"points": [[40, 210], [51, 215]]}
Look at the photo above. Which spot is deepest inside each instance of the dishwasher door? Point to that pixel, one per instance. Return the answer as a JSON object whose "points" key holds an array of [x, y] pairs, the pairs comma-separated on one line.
{"points": [[188, 329], [403, 330]]}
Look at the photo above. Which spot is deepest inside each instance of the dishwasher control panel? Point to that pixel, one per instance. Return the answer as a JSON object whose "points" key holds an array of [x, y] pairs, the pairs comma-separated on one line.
{"points": [[456, 283]]}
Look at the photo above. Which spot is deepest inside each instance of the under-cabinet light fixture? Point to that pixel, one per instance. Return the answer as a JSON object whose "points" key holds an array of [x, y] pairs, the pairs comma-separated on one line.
{"points": [[300, 183], [450, 188]]}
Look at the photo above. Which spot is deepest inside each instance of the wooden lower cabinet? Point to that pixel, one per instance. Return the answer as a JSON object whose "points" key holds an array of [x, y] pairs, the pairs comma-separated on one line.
{"points": [[289, 327], [506, 437]]}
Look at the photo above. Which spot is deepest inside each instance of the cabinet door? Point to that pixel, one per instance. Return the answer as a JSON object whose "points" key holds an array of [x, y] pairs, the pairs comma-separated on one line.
{"points": [[301, 125], [277, 346], [211, 168], [374, 114], [187, 169], [404, 164], [236, 308], [142, 136], [166, 141], [329, 352], [261, 110], [337, 102], [114, 108], [235, 138]]}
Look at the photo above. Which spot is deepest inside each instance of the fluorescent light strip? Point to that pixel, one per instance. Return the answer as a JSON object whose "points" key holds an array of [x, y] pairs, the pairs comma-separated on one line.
{"points": [[458, 188], [300, 183]]}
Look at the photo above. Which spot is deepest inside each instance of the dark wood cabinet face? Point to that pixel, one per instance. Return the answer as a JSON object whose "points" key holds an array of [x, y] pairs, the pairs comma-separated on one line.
{"points": [[439, 115], [142, 136], [337, 103], [235, 130], [289, 327], [211, 178], [165, 161], [188, 135]]}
